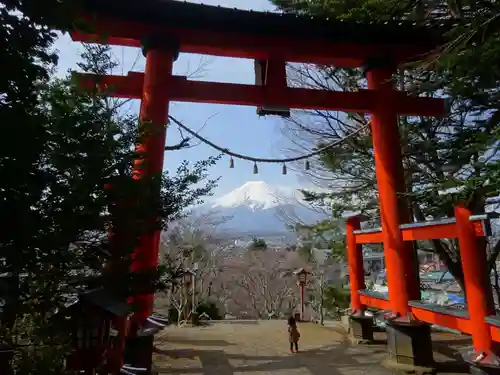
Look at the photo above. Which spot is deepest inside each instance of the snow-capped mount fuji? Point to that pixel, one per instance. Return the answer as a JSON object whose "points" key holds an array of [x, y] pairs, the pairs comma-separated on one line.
{"points": [[257, 195], [257, 207]]}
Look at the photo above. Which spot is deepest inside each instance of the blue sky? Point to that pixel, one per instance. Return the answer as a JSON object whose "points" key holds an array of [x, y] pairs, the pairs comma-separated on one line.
{"points": [[234, 127]]}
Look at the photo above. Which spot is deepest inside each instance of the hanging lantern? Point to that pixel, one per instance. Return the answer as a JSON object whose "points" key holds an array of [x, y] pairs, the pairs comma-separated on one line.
{"points": [[231, 162], [284, 169], [255, 169], [308, 165], [302, 276]]}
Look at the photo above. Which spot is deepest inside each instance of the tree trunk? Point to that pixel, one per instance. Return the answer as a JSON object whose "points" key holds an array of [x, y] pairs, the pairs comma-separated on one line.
{"points": [[321, 317], [179, 315]]}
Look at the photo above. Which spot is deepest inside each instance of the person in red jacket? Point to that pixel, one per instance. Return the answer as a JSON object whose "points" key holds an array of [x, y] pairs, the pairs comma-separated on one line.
{"points": [[293, 334]]}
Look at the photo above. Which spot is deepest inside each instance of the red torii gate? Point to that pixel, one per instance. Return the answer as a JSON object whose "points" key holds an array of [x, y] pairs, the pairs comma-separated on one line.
{"points": [[479, 320], [165, 28]]}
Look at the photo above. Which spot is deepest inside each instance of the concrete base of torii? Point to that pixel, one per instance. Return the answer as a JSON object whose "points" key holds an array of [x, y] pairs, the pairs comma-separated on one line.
{"points": [[410, 347], [139, 353], [360, 329]]}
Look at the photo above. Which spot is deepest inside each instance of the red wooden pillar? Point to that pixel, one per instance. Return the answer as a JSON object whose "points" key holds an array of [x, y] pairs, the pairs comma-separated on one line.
{"points": [[355, 262], [153, 115], [478, 292], [400, 259]]}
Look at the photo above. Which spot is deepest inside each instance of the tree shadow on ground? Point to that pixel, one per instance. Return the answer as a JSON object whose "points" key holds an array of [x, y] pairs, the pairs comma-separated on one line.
{"points": [[320, 361], [182, 341], [236, 321], [336, 359]]}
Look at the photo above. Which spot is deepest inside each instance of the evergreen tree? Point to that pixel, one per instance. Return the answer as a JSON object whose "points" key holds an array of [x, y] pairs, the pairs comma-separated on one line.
{"points": [[60, 151], [258, 244]]}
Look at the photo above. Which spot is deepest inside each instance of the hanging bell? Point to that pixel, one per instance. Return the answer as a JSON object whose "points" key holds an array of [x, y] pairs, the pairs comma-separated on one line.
{"points": [[255, 169], [308, 165], [283, 170], [231, 162]]}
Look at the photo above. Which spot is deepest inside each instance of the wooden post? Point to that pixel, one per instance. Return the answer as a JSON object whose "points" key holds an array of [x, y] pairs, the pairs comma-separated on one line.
{"points": [[153, 116], [476, 274], [400, 259], [160, 53], [355, 262]]}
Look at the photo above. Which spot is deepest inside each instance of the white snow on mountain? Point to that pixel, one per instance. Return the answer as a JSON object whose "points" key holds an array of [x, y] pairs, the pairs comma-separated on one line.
{"points": [[257, 195], [259, 207]]}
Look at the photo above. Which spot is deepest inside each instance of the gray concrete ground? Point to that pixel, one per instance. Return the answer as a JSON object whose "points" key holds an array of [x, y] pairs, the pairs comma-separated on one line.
{"points": [[261, 348]]}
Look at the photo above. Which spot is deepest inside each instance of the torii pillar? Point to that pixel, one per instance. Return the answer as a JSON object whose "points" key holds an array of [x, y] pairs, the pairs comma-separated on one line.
{"points": [[408, 341], [160, 54]]}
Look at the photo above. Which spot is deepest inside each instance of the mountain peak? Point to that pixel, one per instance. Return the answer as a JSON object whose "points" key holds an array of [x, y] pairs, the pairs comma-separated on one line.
{"points": [[257, 207], [255, 195], [254, 184]]}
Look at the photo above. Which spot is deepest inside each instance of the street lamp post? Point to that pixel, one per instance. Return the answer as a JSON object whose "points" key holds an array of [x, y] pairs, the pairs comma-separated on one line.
{"points": [[302, 281]]}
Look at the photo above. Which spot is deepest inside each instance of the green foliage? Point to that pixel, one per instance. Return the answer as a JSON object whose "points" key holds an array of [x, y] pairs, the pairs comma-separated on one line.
{"points": [[305, 252], [210, 308], [258, 244], [206, 306], [341, 9], [173, 315], [28, 240], [40, 360], [335, 298], [326, 234], [61, 150]]}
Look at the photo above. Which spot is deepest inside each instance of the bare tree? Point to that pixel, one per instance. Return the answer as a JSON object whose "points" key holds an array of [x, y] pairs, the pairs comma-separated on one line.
{"points": [[318, 286], [193, 244], [263, 284]]}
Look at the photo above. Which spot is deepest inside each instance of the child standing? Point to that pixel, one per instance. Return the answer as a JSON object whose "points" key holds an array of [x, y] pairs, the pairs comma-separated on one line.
{"points": [[293, 334]]}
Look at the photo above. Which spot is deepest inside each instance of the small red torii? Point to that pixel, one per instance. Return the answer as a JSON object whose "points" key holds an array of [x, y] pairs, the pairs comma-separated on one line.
{"points": [[479, 320]]}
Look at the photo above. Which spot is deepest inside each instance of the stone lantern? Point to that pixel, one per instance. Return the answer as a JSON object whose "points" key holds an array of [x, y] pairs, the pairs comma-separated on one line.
{"points": [[302, 276]]}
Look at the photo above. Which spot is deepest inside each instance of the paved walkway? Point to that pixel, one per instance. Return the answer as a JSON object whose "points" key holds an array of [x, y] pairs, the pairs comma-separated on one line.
{"points": [[261, 348]]}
